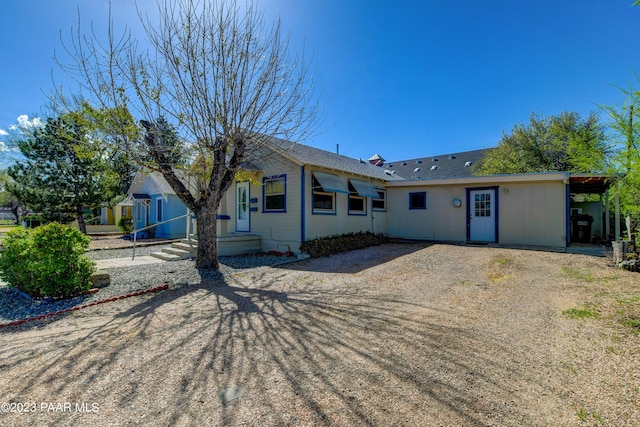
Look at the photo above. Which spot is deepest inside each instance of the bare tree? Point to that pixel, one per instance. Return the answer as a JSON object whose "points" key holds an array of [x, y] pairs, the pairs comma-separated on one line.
{"points": [[216, 73]]}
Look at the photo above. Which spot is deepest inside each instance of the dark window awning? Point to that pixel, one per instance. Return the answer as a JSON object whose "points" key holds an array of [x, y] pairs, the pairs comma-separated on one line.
{"points": [[364, 188], [139, 196], [331, 183]]}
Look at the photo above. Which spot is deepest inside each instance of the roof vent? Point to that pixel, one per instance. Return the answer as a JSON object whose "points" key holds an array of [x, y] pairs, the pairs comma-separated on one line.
{"points": [[362, 161], [416, 170], [434, 159], [388, 172], [404, 163], [418, 161], [452, 156], [467, 164], [434, 167]]}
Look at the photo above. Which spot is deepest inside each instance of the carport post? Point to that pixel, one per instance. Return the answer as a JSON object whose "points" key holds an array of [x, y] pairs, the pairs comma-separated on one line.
{"points": [[616, 199], [607, 225]]}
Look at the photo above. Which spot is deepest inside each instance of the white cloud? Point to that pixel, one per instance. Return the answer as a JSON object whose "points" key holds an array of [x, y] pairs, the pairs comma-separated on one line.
{"points": [[3, 132], [25, 124], [3, 147]]}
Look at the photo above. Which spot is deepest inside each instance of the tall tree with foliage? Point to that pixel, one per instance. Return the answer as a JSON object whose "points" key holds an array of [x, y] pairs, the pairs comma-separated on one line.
{"points": [[64, 171], [214, 71], [116, 130], [625, 135], [565, 142]]}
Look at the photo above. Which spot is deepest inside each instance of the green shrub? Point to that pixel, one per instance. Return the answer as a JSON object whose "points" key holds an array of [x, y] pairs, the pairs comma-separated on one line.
{"points": [[125, 225], [46, 261], [325, 246]]}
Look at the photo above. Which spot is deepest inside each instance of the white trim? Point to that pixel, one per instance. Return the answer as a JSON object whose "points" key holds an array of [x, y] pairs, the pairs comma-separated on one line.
{"points": [[483, 180]]}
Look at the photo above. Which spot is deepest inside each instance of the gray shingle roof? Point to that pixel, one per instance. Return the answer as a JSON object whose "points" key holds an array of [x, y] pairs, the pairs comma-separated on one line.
{"points": [[307, 155], [437, 167]]}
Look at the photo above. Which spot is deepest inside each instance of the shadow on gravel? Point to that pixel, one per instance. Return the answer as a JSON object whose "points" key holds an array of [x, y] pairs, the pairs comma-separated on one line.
{"points": [[366, 259], [264, 349]]}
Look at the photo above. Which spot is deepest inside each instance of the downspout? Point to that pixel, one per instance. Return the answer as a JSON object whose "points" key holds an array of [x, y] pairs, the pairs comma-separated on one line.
{"points": [[567, 214], [302, 205]]}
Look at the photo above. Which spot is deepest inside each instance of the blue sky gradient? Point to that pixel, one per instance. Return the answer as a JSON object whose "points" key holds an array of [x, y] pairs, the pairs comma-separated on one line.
{"points": [[403, 79]]}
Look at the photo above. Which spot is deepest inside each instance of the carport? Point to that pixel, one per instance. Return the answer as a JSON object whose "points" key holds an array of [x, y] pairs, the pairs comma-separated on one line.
{"points": [[588, 221]]}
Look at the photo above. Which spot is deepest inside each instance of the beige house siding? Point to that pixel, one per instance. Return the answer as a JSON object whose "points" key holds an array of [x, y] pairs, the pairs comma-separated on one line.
{"points": [[321, 225], [439, 221], [533, 214], [531, 210], [280, 231]]}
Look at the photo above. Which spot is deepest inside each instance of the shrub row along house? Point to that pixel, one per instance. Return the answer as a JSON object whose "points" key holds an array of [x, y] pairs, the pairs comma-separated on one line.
{"points": [[301, 193]]}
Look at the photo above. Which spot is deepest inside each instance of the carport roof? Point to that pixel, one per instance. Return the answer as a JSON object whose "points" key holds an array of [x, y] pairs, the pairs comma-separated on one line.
{"points": [[589, 184]]}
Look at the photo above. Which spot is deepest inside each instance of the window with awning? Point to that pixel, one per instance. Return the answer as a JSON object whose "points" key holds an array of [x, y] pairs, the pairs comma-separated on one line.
{"points": [[357, 203], [330, 183], [363, 188]]}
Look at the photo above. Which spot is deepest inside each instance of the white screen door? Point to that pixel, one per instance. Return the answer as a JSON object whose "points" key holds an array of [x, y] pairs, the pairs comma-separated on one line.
{"points": [[482, 215], [242, 207]]}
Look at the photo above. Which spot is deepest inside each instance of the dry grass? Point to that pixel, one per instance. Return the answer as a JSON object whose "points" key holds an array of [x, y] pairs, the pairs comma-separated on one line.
{"points": [[394, 335]]}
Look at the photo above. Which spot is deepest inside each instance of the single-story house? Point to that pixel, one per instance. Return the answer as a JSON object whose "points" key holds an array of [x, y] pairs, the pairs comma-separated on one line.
{"points": [[153, 201], [302, 193]]}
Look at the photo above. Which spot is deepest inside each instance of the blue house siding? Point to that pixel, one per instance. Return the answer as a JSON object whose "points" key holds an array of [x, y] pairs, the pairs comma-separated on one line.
{"points": [[171, 207], [140, 213]]}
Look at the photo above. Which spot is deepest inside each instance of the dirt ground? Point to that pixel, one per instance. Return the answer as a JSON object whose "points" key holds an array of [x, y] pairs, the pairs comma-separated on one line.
{"points": [[401, 334]]}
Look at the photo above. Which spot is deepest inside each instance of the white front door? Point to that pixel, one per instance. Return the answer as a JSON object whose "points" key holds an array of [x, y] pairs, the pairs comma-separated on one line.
{"points": [[242, 207], [482, 215]]}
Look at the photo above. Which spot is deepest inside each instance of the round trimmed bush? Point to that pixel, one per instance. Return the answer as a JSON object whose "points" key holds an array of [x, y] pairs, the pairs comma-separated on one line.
{"points": [[47, 261]]}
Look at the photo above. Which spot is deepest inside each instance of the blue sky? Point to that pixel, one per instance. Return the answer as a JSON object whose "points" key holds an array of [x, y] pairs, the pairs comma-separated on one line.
{"points": [[403, 79]]}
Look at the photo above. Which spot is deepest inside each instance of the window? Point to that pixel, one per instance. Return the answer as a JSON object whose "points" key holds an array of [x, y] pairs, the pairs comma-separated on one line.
{"points": [[357, 203], [323, 201], [379, 203], [126, 211], [482, 204], [418, 200], [159, 210], [275, 190]]}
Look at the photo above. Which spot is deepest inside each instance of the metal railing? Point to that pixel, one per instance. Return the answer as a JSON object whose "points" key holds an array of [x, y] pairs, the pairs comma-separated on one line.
{"points": [[149, 227]]}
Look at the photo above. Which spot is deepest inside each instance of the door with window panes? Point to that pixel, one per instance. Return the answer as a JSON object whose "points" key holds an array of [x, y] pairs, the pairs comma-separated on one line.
{"points": [[482, 215], [243, 222]]}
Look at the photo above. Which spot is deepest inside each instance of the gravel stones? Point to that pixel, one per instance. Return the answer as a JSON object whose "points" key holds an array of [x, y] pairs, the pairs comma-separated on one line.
{"points": [[15, 305]]}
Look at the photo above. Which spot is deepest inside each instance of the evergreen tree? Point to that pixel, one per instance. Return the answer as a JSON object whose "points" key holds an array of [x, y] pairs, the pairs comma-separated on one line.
{"points": [[63, 171]]}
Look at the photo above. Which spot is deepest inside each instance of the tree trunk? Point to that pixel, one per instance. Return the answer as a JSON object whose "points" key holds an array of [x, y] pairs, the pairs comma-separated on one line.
{"points": [[207, 240], [81, 224], [15, 210]]}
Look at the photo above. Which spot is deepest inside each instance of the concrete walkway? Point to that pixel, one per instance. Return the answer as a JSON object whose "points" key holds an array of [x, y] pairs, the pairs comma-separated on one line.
{"points": [[127, 262]]}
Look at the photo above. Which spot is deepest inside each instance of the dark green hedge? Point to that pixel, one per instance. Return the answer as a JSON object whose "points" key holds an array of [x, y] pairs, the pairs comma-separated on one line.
{"points": [[325, 246]]}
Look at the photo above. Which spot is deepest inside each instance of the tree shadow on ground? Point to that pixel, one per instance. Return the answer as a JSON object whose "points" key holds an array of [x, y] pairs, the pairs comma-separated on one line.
{"points": [[358, 260], [268, 348]]}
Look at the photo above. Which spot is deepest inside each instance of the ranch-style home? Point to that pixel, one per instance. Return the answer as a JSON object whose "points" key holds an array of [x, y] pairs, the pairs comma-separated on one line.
{"points": [[301, 193]]}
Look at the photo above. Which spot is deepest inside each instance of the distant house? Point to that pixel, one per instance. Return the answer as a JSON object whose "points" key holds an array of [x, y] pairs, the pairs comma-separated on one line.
{"points": [[153, 201], [303, 192]]}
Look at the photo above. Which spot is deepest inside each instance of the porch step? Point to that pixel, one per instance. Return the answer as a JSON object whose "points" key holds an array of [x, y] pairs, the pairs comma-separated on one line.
{"points": [[166, 256], [184, 249]]}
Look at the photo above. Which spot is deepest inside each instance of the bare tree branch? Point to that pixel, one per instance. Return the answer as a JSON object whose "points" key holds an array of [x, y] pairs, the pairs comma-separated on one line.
{"points": [[215, 72]]}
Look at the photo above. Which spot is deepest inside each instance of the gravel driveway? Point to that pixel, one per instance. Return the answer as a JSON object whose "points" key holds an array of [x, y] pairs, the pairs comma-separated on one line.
{"points": [[401, 334]]}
